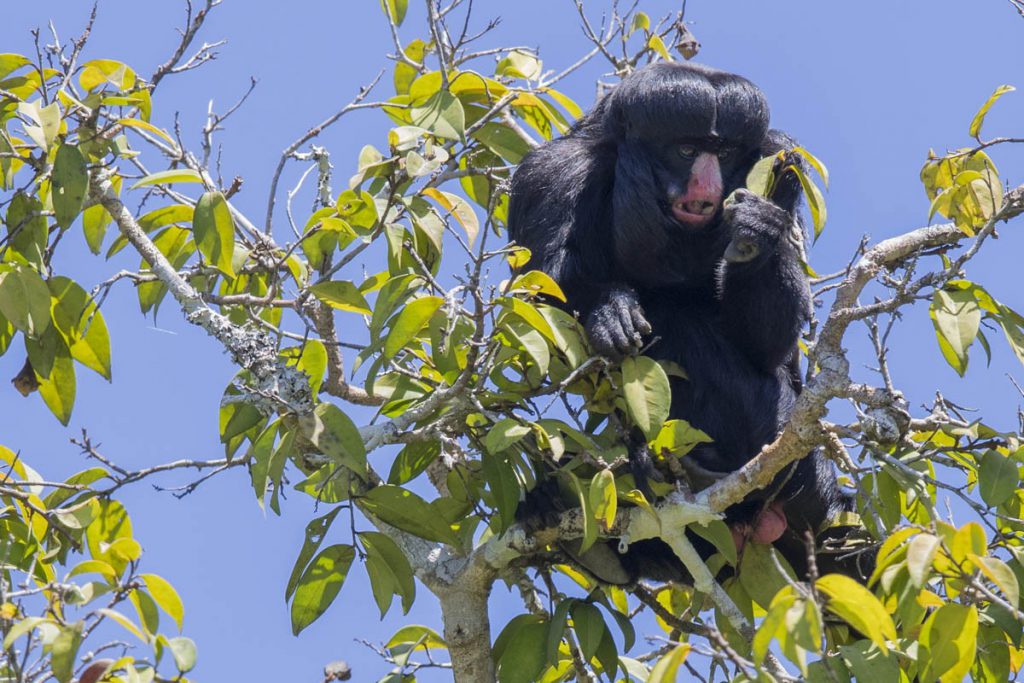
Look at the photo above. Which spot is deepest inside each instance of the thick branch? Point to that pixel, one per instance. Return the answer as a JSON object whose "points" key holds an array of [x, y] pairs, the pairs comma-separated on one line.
{"points": [[277, 385]]}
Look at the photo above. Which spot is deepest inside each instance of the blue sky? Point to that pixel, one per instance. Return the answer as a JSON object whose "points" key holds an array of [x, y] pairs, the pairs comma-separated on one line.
{"points": [[867, 86]]}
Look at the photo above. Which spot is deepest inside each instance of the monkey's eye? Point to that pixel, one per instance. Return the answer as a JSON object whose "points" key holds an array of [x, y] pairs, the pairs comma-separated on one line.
{"points": [[725, 152], [687, 151]]}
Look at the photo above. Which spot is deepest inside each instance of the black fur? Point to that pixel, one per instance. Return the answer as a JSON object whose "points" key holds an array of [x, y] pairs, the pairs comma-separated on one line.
{"points": [[595, 209]]}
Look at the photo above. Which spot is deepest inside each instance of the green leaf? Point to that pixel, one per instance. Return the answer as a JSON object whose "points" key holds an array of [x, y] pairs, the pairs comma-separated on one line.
{"points": [[503, 434], [81, 323], [603, 500], [979, 118], [950, 636], [407, 511], [389, 570], [174, 175], [58, 389], [395, 10], [442, 114], [70, 180], [868, 663], [337, 437], [184, 652], [27, 228], [409, 323], [319, 585], [998, 478], [855, 604], [342, 295], [520, 650], [956, 317], [24, 299], [589, 627], [64, 652], [412, 460], [145, 606], [504, 486], [214, 231], [647, 393], [316, 530], [719, 535], [164, 595]]}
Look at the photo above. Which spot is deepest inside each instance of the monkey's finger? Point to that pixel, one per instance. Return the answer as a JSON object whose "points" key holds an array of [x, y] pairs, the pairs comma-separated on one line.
{"points": [[625, 309], [640, 322]]}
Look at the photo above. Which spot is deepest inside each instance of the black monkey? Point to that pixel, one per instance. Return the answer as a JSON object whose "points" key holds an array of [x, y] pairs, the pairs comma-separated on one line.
{"points": [[626, 213]]}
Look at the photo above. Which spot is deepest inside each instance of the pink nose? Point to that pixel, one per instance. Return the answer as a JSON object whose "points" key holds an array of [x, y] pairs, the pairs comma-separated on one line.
{"points": [[705, 179]]}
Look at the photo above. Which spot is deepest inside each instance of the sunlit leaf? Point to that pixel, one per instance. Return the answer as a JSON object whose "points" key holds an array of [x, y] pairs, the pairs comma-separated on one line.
{"points": [[957, 318], [409, 323], [647, 393], [341, 295], [319, 585], [949, 635], [459, 208], [214, 231], [174, 175], [855, 604], [979, 118]]}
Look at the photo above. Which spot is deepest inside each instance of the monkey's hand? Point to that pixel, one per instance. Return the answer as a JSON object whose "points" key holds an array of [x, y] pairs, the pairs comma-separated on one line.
{"points": [[759, 228], [617, 325]]}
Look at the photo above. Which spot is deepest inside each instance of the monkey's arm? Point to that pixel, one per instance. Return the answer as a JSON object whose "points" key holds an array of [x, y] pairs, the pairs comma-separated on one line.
{"points": [[560, 211]]}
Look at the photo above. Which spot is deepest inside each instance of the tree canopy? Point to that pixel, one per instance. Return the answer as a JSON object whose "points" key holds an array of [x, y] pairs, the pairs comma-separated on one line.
{"points": [[402, 367]]}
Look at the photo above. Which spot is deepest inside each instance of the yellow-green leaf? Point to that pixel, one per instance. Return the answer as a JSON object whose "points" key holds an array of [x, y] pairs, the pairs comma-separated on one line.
{"points": [[667, 668], [214, 231], [342, 295], [858, 606], [950, 636], [410, 322], [174, 175], [148, 127], [395, 10], [164, 594], [537, 282], [603, 500], [979, 118]]}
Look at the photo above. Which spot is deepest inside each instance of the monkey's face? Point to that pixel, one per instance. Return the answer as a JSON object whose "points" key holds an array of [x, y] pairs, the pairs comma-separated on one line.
{"points": [[696, 175]]}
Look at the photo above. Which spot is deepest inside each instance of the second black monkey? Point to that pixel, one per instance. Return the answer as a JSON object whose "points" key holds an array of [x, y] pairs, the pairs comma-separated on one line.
{"points": [[626, 213]]}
